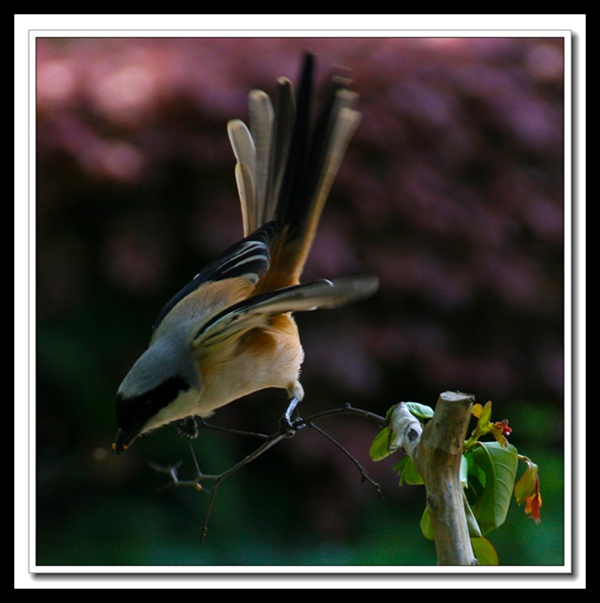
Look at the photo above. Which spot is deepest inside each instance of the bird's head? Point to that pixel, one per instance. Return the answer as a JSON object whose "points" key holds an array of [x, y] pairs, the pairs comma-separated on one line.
{"points": [[161, 387]]}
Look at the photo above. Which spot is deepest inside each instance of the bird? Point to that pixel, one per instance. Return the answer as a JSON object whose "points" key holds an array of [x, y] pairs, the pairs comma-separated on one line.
{"points": [[230, 331]]}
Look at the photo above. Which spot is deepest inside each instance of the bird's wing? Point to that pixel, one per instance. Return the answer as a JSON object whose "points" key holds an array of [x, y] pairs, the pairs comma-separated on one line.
{"points": [[247, 259], [255, 311]]}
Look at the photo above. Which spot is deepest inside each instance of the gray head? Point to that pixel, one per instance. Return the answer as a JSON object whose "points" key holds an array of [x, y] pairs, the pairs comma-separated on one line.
{"points": [[152, 392]]}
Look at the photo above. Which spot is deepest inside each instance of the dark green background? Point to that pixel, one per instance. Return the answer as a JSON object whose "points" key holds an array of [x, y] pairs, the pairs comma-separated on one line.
{"points": [[451, 192]]}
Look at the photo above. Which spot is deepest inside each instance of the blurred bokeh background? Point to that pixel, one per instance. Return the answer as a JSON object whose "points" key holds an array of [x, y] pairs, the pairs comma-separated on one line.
{"points": [[451, 192]]}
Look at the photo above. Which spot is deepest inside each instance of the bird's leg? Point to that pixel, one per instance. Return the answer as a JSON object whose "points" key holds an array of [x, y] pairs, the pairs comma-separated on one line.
{"points": [[285, 423]]}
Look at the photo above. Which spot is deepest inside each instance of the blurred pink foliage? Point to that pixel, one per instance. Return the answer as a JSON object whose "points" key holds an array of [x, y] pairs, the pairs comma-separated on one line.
{"points": [[451, 192]]}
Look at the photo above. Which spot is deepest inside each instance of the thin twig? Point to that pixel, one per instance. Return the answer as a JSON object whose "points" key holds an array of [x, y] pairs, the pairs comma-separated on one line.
{"points": [[251, 434], [345, 410], [361, 469]]}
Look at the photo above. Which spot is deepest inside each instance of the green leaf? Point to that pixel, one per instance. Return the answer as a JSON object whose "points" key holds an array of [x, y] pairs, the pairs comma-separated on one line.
{"points": [[380, 448], [474, 530], [464, 472], [500, 467], [483, 413], [421, 411], [426, 526], [475, 479], [484, 551], [408, 472], [526, 486]]}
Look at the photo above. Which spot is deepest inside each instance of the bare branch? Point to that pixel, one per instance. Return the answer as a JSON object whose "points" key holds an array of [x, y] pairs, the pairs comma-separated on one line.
{"points": [[438, 458]]}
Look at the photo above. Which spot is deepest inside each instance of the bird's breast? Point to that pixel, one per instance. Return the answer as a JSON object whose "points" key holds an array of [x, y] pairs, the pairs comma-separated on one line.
{"points": [[262, 358]]}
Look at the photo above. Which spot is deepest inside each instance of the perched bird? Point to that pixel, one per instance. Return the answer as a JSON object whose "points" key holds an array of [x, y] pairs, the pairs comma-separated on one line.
{"points": [[230, 331]]}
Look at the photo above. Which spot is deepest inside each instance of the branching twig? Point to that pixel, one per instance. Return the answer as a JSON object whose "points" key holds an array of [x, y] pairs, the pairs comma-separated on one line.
{"points": [[269, 442], [172, 471], [219, 478]]}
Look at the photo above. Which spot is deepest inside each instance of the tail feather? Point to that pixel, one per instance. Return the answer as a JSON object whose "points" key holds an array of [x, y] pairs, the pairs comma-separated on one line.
{"points": [[261, 127], [245, 170], [283, 126], [285, 166], [324, 162], [292, 198]]}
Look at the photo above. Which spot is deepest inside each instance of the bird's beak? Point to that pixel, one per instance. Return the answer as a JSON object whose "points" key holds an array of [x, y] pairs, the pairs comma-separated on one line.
{"points": [[124, 439]]}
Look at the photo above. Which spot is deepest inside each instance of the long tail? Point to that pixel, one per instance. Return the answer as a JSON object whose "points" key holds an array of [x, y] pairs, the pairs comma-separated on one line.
{"points": [[286, 165]]}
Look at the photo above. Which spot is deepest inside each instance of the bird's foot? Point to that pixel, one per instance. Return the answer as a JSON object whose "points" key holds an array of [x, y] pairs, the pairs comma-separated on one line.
{"points": [[187, 427]]}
